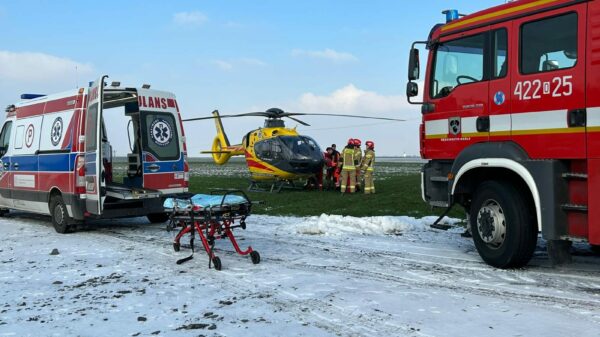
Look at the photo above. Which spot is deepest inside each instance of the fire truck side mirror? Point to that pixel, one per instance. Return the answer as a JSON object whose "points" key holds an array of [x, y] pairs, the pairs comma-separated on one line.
{"points": [[413, 65], [412, 89]]}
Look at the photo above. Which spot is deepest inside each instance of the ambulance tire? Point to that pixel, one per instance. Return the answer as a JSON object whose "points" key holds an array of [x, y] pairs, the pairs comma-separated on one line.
{"points": [[59, 214], [158, 217], [502, 207]]}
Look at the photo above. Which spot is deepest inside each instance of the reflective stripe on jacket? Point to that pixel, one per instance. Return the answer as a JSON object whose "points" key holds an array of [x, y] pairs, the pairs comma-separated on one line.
{"points": [[348, 159], [368, 161]]}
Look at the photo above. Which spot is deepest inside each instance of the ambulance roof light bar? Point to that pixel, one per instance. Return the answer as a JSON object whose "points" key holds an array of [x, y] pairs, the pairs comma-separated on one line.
{"points": [[10, 108], [32, 96], [115, 84]]}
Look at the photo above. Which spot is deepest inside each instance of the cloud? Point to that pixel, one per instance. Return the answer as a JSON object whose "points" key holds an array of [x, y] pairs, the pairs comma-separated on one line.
{"points": [[352, 100], [31, 66], [194, 18], [327, 54], [253, 62], [223, 65]]}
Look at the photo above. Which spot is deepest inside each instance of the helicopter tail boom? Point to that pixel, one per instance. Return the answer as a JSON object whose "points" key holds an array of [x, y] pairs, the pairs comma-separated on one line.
{"points": [[221, 149]]}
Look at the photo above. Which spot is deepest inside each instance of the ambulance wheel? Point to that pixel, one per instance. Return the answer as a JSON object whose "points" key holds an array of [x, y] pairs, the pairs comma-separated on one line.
{"points": [[158, 217], [255, 257], [503, 225], [216, 261], [60, 216]]}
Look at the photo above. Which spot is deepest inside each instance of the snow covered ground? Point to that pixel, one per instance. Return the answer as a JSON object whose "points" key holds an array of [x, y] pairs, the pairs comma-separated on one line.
{"points": [[319, 276]]}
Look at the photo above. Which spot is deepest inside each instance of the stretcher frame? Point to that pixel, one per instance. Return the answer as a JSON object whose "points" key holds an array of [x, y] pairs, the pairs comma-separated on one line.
{"points": [[211, 223]]}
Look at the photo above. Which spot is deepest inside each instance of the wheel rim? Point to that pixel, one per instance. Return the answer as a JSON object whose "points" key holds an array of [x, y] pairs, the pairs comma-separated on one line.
{"points": [[59, 215], [491, 224]]}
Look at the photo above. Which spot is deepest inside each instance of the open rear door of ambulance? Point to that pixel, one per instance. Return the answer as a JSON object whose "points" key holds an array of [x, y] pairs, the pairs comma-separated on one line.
{"points": [[95, 183]]}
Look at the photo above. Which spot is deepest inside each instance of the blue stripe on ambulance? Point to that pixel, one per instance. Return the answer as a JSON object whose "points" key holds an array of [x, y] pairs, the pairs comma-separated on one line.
{"points": [[57, 162]]}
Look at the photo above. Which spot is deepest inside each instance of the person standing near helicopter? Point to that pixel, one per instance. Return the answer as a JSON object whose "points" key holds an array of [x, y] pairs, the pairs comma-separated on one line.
{"points": [[348, 178], [367, 165], [357, 161]]}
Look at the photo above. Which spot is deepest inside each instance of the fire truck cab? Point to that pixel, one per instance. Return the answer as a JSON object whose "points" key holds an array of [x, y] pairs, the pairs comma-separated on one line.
{"points": [[511, 125], [56, 157]]}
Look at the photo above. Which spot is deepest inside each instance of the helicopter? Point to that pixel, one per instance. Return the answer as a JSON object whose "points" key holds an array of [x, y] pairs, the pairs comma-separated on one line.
{"points": [[274, 153]]}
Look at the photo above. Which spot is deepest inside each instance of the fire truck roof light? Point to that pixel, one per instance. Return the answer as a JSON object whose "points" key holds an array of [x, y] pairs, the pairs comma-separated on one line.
{"points": [[146, 86], [451, 15], [32, 96]]}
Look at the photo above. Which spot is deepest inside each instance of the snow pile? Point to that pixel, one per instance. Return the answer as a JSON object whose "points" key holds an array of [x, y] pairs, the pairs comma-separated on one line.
{"points": [[379, 225]]}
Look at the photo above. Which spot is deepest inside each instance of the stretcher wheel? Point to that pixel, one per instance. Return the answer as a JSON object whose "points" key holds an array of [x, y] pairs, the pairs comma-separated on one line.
{"points": [[176, 246], [216, 263], [255, 256]]}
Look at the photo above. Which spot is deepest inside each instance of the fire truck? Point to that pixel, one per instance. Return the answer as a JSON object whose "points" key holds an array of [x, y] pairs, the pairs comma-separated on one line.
{"points": [[56, 157], [511, 125]]}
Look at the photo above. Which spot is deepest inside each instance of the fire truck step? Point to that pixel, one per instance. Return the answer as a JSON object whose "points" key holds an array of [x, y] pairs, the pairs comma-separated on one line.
{"points": [[575, 176], [575, 208], [442, 204], [440, 179]]}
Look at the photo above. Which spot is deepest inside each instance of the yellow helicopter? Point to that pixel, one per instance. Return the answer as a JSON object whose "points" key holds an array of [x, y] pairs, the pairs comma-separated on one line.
{"points": [[273, 153]]}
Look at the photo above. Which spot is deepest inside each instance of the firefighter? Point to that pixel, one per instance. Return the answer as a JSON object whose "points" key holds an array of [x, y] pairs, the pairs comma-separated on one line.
{"points": [[357, 161], [367, 165], [348, 178], [330, 167]]}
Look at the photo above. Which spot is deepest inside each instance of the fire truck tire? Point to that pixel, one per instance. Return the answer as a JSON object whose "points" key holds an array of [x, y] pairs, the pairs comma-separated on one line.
{"points": [[216, 261], [255, 257], [158, 217], [60, 216], [503, 225]]}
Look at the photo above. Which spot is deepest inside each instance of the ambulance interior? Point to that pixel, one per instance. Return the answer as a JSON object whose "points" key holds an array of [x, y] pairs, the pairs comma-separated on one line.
{"points": [[120, 117]]}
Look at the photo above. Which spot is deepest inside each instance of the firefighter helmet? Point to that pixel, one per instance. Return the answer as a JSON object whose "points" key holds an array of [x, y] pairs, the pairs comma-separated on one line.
{"points": [[370, 144], [351, 141], [357, 142]]}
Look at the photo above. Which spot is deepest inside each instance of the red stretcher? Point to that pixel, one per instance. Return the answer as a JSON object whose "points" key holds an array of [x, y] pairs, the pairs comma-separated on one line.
{"points": [[212, 217]]}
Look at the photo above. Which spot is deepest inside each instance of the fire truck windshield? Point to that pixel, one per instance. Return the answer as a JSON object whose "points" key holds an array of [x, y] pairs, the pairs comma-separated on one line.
{"points": [[457, 62]]}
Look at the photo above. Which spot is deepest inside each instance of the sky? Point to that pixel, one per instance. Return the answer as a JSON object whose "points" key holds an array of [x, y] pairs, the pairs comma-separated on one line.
{"points": [[345, 57]]}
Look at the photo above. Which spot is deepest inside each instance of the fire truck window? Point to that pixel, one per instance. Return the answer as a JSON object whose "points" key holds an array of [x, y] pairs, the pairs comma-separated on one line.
{"points": [[457, 62], [549, 44], [500, 51]]}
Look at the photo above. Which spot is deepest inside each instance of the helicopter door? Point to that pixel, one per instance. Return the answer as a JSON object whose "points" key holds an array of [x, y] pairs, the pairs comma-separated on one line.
{"points": [[95, 183]]}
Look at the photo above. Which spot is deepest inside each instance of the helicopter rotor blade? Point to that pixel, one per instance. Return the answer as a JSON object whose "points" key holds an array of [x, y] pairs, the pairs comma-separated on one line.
{"points": [[255, 114], [288, 114], [297, 120]]}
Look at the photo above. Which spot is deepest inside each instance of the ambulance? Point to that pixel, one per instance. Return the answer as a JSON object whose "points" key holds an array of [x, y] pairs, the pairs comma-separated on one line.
{"points": [[56, 157]]}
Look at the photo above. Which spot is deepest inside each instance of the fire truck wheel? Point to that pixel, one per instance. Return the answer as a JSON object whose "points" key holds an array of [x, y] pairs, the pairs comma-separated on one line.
{"points": [[503, 225], [255, 257], [60, 217], [158, 217], [216, 261]]}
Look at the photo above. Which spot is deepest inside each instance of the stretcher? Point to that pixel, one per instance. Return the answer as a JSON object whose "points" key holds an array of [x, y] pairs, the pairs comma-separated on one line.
{"points": [[213, 217]]}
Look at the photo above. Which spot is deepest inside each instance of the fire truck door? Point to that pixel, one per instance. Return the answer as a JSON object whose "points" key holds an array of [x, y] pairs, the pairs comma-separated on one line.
{"points": [[94, 170], [548, 83], [498, 122], [458, 90]]}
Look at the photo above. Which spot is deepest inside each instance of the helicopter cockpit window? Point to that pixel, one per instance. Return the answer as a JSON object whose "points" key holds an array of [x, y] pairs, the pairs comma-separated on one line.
{"points": [[269, 149], [302, 147]]}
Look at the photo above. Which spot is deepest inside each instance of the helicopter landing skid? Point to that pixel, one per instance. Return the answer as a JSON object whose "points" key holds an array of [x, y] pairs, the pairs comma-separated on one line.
{"points": [[271, 186]]}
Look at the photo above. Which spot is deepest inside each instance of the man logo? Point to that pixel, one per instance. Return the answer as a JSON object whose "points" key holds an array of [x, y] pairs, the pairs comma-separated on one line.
{"points": [[454, 126], [499, 98]]}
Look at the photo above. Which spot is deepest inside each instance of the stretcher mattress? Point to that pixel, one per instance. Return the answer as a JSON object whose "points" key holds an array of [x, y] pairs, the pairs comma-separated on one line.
{"points": [[204, 201]]}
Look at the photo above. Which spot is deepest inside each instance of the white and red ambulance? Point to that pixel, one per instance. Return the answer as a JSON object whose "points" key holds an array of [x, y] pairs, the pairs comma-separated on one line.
{"points": [[56, 157]]}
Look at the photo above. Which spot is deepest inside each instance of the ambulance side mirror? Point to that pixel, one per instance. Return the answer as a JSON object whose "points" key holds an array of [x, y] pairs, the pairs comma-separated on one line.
{"points": [[413, 65]]}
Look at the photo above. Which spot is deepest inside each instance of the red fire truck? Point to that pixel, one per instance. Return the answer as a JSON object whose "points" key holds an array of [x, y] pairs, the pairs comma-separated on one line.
{"points": [[511, 125]]}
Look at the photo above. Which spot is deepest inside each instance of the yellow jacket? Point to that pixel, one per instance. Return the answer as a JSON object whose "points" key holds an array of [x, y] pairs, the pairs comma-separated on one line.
{"points": [[368, 160]]}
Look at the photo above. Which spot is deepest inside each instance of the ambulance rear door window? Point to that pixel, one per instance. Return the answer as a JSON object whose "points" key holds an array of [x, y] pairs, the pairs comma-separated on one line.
{"points": [[159, 135]]}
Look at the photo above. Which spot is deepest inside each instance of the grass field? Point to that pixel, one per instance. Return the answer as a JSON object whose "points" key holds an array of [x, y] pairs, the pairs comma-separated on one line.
{"points": [[398, 192]]}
